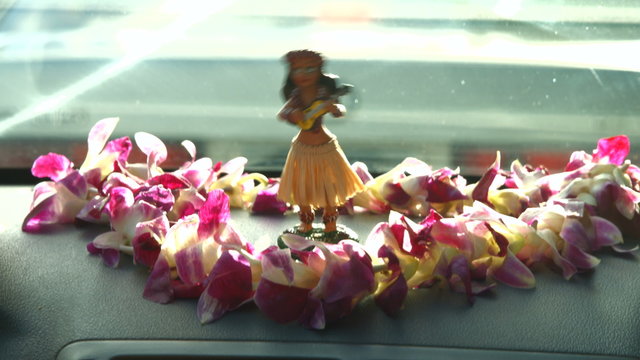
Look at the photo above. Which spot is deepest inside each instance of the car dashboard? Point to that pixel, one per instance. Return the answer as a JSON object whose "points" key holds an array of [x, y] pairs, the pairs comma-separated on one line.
{"points": [[57, 301]]}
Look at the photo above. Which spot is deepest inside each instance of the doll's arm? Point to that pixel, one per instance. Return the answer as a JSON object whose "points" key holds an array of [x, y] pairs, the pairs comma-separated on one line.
{"points": [[337, 110], [290, 113]]}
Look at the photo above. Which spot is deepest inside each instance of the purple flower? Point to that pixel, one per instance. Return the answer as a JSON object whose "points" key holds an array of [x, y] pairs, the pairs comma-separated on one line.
{"points": [[229, 287], [346, 279], [54, 166], [392, 286], [267, 202], [56, 202], [613, 150], [283, 290]]}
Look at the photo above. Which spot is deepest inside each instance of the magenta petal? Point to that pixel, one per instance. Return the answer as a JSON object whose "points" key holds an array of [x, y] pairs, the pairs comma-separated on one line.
{"points": [[190, 264], [350, 279], [568, 269], [393, 263], [110, 257], [190, 147], [145, 249], [115, 180], [151, 146], [278, 259], [605, 233], [514, 273], [626, 200], [76, 184], [500, 239], [281, 303], [158, 287], [313, 316], [168, 181], [42, 214], [267, 201], [92, 211], [439, 191], [362, 171], [459, 271], [214, 212], [53, 166], [122, 147], [99, 134], [120, 202], [229, 286], [579, 258], [574, 233], [578, 159], [431, 219], [395, 194], [392, 298], [481, 191], [450, 232], [297, 242], [157, 195], [53, 204], [398, 232], [613, 150], [92, 249], [186, 291]]}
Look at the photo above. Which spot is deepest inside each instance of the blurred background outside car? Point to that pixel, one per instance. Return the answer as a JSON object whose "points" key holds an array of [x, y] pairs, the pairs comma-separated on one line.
{"points": [[448, 82]]}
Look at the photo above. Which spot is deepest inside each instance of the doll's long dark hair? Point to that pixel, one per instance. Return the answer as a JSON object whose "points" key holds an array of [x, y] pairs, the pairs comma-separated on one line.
{"points": [[329, 81], [326, 80]]}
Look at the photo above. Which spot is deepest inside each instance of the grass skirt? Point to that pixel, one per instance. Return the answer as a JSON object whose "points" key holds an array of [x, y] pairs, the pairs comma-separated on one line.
{"points": [[318, 176]]}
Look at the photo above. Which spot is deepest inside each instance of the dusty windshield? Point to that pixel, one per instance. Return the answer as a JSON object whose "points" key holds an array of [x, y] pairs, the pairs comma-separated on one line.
{"points": [[446, 82]]}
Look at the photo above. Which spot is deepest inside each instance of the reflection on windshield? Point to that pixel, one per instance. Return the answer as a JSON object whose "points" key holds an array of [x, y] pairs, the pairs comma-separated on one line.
{"points": [[447, 82]]}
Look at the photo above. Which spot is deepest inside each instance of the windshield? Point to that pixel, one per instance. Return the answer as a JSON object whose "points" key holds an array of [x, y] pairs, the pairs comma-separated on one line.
{"points": [[448, 82]]}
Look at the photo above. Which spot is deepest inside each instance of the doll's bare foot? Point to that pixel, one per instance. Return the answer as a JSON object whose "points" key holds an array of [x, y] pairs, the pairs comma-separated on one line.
{"points": [[306, 219], [330, 219], [305, 228]]}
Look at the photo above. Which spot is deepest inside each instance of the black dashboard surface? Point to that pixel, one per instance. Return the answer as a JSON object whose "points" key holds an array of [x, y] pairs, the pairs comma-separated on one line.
{"points": [[54, 294]]}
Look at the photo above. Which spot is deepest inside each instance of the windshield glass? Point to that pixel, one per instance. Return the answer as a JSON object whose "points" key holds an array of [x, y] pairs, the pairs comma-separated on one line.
{"points": [[448, 82]]}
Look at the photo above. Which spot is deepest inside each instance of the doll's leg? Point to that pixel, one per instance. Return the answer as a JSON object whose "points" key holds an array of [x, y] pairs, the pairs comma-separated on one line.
{"points": [[306, 218], [330, 218]]}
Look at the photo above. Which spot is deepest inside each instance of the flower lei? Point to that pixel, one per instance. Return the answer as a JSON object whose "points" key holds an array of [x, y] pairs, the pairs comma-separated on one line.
{"points": [[470, 236]]}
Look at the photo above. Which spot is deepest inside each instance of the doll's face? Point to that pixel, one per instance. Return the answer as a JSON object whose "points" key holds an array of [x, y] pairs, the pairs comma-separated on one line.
{"points": [[305, 72]]}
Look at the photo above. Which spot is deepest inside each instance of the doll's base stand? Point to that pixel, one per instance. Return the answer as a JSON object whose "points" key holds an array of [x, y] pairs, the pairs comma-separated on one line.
{"points": [[317, 234]]}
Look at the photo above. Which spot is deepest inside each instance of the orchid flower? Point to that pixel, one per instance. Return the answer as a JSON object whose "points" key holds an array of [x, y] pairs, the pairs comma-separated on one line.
{"points": [[229, 286], [266, 200], [101, 156], [392, 285], [239, 186], [54, 166], [490, 180], [347, 277], [130, 220], [284, 286], [413, 188], [386, 189], [613, 150], [155, 150], [574, 235], [191, 250], [366, 199], [56, 202]]}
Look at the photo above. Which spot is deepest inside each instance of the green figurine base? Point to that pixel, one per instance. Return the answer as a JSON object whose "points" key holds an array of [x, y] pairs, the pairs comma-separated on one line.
{"points": [[317, 234]]}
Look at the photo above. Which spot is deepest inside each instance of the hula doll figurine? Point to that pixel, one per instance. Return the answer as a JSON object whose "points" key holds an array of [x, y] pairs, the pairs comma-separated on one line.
{"points": [[316, 174]]}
